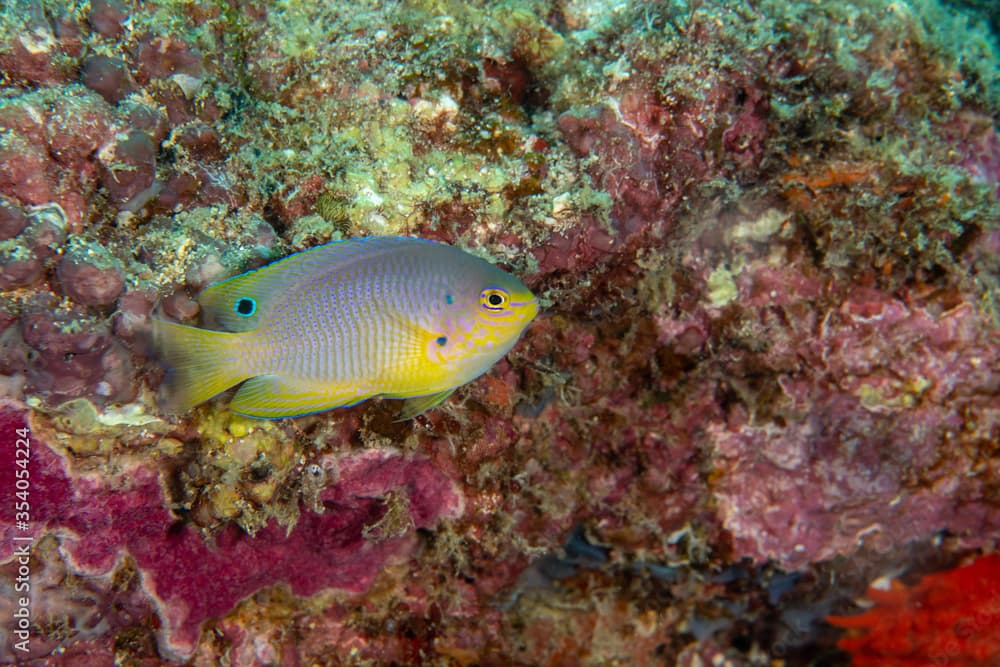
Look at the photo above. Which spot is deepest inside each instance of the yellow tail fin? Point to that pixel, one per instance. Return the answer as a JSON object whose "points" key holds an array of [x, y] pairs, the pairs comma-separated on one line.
{"points": [[200, 363]]}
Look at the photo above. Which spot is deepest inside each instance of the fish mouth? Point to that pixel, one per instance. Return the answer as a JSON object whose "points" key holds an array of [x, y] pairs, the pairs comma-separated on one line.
{"points": [[530, 304]]}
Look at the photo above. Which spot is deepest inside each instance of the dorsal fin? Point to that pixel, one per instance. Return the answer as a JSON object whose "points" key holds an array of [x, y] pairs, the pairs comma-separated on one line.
{"points": [[240, 303]]}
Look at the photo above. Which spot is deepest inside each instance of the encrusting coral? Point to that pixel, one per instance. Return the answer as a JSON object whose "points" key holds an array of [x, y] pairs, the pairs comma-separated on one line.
{"points": [[947, 618]]}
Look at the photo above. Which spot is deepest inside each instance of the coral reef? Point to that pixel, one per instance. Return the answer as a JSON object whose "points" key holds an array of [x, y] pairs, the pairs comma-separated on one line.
{"points": [[766, 236], [359, 520]]}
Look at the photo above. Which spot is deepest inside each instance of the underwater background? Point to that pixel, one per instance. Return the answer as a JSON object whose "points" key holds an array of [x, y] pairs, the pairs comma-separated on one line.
{"points": [[757, 421]]}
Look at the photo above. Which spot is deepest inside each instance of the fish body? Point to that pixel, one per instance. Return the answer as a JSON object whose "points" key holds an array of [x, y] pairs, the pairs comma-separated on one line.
{"points": [[338, 324]]}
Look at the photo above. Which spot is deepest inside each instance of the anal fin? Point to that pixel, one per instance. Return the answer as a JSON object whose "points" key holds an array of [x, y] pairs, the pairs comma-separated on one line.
{"points": [[279, 396]]}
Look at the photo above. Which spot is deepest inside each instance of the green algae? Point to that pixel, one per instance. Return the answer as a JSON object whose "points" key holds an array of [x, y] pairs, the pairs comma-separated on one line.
{"points": [[82, 417], [179, 243], [14, 250], [721, 287], [377, 100], [390, 106], [84, 429], [79, 249]]}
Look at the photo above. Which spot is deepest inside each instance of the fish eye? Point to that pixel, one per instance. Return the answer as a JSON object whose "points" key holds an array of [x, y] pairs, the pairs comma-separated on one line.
{"points": [[494, 299], [246, 306]]}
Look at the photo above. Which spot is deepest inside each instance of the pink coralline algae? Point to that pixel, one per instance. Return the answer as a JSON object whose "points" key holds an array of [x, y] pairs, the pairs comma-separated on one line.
{"points": [[191, 578], [66, 354], [12, 219], [90, 278], [977, 144], [649, 152], [108, 77], [855, 457], [68, 144], [128, 167], [51, 158]]}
